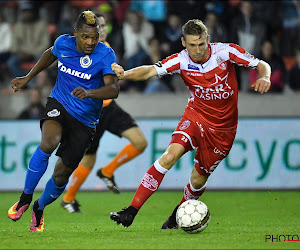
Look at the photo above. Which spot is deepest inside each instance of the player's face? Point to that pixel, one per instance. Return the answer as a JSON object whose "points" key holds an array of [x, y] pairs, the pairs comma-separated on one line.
{"points": [[86, 39], [103, 29], [197, 46]]}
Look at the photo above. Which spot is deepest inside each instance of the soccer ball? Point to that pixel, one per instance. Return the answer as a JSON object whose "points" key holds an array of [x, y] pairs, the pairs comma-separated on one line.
{"points": [[192, 216]]}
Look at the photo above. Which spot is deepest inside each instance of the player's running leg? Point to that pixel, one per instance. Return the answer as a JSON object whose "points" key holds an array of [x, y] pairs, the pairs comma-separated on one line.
{"points": [[54, 188], [80, 174], [149, 184], [189, 193], [129, 152], [51, 131]]}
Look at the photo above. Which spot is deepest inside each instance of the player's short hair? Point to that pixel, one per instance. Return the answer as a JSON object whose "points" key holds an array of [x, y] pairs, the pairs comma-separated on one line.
{"points": [[87, 17], [194, 27]]}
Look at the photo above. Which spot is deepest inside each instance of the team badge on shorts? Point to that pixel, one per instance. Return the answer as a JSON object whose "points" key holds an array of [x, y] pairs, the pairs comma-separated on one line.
{"points": [[85, 61], [53, 113], [221, 63], [185, 125]]}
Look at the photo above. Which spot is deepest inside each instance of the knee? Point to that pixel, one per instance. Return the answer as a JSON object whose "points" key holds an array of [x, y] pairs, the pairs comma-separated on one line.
{"points": [[61, 177], [140, 145], [167, 159], [49, 144]]}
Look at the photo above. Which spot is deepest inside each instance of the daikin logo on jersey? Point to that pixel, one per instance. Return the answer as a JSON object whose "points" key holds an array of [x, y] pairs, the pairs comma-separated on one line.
{"points": [[73, 72]]}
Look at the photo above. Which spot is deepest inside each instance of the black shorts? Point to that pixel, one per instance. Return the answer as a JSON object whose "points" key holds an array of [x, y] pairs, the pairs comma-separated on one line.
{"points": [[113, 119], [76, 137]]}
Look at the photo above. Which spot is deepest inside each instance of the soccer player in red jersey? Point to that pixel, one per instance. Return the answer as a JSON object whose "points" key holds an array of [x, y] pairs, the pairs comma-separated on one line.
{"points": [[210, 118]]}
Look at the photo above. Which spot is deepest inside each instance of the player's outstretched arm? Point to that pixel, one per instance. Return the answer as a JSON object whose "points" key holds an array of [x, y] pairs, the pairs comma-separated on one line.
{"points": [[263, 83], [141, 73], [45, 61], [109, 91]]}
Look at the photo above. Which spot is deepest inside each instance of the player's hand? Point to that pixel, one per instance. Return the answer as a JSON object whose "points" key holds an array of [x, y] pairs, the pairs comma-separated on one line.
{"points": [[18, 83], [80, 92], [262, 85], [118, 69]]}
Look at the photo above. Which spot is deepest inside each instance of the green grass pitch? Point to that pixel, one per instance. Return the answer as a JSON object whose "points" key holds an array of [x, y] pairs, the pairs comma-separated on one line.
{"points": [[239, 220]]}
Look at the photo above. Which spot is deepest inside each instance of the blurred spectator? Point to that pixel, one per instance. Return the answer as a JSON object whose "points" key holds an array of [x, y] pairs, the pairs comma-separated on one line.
{"points": [[115, 37], [172, 35], [36, 109], [154, 11], [136, 32], [30, 39], [67, 20], [120, 7], [216, 31], [277, 66], [5, 42], [247, 31], [156, 84], [188, 9], [291, 27], [294, 74]]}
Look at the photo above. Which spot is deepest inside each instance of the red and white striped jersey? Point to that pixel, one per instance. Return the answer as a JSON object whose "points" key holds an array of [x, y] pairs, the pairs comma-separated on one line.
{"points": [[212, 83]]}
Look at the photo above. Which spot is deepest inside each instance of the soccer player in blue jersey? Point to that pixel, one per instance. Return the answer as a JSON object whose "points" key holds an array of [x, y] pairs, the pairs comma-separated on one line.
{"points": [[84, 79]]}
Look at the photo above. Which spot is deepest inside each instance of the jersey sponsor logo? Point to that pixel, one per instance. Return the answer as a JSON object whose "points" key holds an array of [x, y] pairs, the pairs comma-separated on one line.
{"points": [[158, 64], [217, 92], [185, 125], [150, 182], [190, 66], [85, 61], [221, 63], [73, 72], [193, 74], [53, 113]]}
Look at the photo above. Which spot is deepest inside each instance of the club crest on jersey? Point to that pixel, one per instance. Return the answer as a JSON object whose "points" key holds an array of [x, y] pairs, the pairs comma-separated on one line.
{"points": [[190, 66], [85, 61], [221, 63], [53, 113], [185, 125]]}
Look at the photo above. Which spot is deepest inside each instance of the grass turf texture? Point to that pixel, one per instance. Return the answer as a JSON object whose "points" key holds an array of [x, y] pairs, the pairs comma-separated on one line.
{"points": [[239, 220]]}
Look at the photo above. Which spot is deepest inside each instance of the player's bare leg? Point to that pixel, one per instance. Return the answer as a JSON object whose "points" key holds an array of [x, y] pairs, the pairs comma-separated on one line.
{"points": [[137, 145], [149, 184]]}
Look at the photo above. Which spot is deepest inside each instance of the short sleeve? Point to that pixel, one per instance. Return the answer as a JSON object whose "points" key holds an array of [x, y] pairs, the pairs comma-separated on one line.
{"points": [[109, 59]]}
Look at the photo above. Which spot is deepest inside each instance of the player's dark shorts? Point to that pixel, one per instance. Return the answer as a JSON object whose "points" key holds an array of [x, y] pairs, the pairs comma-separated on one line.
{"points": [[76, 137], [113, 119]]}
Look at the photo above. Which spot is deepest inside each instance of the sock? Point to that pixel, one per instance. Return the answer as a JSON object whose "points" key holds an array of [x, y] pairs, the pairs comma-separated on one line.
{"points": [[126, 154], [149, 185], [190, 193], [50, 194], [37, 167], [79, 176]]}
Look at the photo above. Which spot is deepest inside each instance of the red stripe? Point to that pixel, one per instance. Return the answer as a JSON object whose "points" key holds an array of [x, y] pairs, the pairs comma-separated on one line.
{"points": [[238, 60], [237, 47], [169, 58], [283, 241], [174, 67]]}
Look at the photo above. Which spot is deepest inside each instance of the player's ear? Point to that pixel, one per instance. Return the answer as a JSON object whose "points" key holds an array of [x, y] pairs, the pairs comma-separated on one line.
{"points": [[75, 32], [208, 38], [183, 41]]}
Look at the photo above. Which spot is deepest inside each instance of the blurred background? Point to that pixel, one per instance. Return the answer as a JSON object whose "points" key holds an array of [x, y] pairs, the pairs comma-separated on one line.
{"points": [[266, 152]]}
